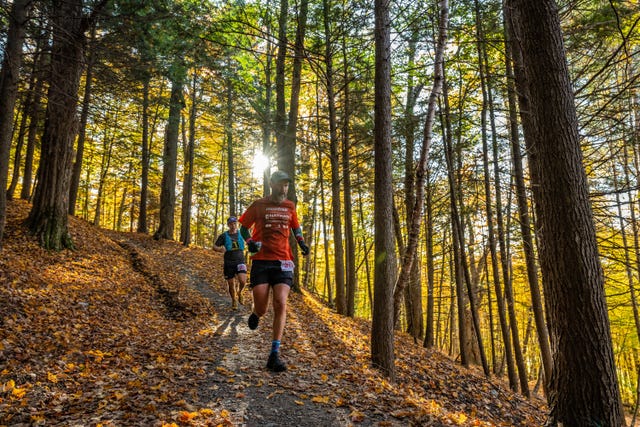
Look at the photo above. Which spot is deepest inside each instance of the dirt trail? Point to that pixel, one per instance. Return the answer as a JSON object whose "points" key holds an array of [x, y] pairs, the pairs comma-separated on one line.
{"points": [[238, 379], [255, 393]]}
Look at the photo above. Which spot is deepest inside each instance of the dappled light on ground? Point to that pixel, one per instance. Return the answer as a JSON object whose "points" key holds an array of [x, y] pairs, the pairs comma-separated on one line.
{"points": [[429, 386]]}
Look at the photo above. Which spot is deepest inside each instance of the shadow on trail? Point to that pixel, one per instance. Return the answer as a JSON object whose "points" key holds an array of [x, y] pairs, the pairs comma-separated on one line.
{"points": [[240, 382], [228, 329]]}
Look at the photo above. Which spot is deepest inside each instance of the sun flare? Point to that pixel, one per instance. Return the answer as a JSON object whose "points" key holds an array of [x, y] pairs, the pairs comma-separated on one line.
{"points": [[260, 164]]}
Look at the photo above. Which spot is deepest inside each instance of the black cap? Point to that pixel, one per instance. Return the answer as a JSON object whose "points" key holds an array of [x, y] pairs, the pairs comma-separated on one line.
{"points": [[278, 176]]}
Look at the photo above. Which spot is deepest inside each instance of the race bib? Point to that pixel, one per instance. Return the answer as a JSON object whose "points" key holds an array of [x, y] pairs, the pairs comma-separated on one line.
{"points": [[286, 265], [242, 268]]}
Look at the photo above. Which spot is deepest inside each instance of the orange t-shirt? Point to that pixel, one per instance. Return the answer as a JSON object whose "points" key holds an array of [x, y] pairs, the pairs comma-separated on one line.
{"points": [[272, 223]]}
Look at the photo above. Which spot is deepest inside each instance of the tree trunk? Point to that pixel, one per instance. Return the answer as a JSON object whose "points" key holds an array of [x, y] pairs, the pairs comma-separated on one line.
{"points": [[460, 261], [382, 333], [325, 233], [33, 97], [268, 90], [228, 132], [48, 216], [334, 157], [502, 311], [9, 74], [187, 187], [366, 249], [583, 388], [287, 146], [286, 131], [310, 236], [121, 208], [416, 212], [144, 178], [429, 335], [280, 118], [170, 160], [35, 114], [350, 250], [287, 152], [22, 130], [502, 242], [413, 294], [107, 147], [455, 262], [77, 165], [523, 213]]}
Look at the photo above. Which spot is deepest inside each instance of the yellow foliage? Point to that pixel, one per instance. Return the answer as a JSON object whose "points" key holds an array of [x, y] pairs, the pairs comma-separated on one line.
{"points": [[8, 386], [320, 399], [185, 416], [18, 393]]}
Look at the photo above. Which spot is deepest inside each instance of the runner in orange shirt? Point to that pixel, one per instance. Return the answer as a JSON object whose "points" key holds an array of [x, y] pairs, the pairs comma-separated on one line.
{"points": [[271, 219]]}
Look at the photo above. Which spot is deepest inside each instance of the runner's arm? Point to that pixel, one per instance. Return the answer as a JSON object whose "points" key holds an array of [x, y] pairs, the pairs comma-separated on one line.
{"points": [[218, 246], [297, 232], [245, 233]]}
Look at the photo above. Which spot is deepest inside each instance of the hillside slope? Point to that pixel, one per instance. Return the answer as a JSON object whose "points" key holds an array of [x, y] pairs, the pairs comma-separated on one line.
{"points": [[126, 330]]}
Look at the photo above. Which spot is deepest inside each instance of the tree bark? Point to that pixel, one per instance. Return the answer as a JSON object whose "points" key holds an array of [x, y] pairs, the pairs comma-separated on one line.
{"points": [[22, 130], [187, 187], [382, 333], [84, 115], [287, 146], [9, 74], [35, 116], [170, 160], [523, 213], [48, 216], [144, 175], [325, 233], [583, 388]]}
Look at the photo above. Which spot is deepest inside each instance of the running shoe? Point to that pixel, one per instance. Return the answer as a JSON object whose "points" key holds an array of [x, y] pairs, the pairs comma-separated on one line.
{"points": [[253, 321], [275, 364]]}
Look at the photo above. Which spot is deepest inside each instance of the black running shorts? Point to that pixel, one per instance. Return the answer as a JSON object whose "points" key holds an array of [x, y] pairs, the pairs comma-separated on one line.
{"points": [[232, 268], [271, 272]]}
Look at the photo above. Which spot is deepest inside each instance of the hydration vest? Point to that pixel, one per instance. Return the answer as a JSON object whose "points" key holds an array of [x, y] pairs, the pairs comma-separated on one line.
{"points": [[228, 243]]}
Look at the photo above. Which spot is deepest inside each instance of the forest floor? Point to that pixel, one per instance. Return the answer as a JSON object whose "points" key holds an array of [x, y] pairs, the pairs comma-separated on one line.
{"points": [[128, 331]]}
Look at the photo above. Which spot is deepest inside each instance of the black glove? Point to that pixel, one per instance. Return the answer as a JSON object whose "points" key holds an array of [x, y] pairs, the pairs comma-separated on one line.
{"points": [[253, 246], [303, 247]]}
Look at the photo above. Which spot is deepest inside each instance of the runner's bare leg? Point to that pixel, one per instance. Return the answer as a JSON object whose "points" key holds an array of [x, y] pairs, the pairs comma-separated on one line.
{"points": [[280, 295], [260, 299]]}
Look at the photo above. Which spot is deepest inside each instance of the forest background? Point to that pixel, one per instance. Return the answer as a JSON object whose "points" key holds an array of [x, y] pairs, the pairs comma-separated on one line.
{"points": [[186, 106]]}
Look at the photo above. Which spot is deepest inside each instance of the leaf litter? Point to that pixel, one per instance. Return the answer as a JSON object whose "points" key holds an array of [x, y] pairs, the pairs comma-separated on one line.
{"points": [[126, 330]]}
